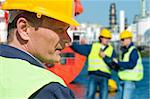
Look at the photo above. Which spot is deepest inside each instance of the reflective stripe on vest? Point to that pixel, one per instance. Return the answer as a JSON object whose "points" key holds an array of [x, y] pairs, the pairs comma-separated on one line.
{"points": [[19, 79], [95, 62], [134, 74]]}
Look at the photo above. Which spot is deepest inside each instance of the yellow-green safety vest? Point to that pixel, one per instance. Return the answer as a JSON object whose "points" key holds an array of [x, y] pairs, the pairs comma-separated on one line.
{"points": [[134, 74], [20, 79], [96, 62]]}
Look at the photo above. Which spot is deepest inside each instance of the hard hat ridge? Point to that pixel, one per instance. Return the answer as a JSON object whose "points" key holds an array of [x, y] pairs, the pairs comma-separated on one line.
{"points": [[106, 33], [125, 34]]}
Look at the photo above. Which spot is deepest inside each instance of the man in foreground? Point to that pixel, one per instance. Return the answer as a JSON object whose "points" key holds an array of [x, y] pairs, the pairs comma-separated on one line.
{"points": [[37, 32]]}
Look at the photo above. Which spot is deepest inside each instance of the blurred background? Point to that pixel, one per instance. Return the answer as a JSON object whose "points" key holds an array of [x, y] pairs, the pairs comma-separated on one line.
{"points": [[116, 15]]}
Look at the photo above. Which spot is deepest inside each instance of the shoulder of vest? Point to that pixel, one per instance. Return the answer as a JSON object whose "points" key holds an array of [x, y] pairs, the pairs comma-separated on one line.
{"points": [[23, 63], [96, 43], [54, 88], [109, 45], [132, 48]]}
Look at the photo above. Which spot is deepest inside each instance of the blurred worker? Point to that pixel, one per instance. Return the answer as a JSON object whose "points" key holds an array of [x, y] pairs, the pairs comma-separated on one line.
{"points": [[37, 32], [129, 65], [98, 71]]}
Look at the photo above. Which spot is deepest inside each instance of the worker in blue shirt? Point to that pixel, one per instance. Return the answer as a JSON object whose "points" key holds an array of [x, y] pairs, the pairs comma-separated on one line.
{"points": [[98, 71], [129, 66]]}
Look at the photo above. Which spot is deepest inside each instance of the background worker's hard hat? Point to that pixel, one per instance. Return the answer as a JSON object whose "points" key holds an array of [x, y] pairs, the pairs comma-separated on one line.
{"points": [[105, 33], [125, 34], [61, 10]]}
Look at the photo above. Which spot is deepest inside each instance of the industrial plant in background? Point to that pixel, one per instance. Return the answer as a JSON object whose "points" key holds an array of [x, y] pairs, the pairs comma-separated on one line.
{"points": [[140, 27]]}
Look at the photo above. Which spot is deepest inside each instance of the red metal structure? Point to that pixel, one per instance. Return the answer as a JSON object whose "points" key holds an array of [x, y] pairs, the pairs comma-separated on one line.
{"points": [[70, 67]]}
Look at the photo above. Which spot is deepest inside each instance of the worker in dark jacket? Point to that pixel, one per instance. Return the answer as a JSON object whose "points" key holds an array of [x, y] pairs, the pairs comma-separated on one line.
{"points": [[37, 32], [129, 66], [98, 71]]}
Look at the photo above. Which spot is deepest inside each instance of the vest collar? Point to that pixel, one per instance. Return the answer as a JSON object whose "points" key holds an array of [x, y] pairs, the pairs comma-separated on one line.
{"points": [[125, 50], [12, 52], [131, 44]]}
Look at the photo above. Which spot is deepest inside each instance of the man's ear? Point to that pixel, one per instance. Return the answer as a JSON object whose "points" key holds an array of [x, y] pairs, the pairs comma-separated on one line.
{"points": [[22, 28]]}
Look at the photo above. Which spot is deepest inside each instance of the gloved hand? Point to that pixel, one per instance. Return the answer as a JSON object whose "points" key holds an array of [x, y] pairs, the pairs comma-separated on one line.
{"points": [[115, 66], [112, 63]]}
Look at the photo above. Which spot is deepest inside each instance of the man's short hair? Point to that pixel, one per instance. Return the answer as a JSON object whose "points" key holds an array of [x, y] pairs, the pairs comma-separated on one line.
{"points": [[15, 15]]}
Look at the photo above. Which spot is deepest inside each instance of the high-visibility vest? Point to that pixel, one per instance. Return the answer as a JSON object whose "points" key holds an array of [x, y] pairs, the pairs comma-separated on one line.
{"points": [[96, 62], [134, 74], [20, 79]]}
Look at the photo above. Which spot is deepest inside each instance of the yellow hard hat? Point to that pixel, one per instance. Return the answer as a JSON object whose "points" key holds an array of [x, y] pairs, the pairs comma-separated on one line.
{"points": [[105, 33], [125, 34], [61, 10], [112, 84]]}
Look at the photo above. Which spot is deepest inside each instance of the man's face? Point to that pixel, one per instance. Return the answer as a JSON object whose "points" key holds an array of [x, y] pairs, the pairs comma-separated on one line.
{"points": [[48, 40], [105, 41], [126, 41]]}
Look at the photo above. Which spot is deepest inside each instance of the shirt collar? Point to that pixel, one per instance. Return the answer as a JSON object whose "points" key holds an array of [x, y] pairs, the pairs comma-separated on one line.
{"points": [[12, 52]]}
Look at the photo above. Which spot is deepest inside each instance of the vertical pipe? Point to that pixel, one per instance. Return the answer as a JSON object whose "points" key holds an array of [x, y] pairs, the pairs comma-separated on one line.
{"points": [[122, 20]]}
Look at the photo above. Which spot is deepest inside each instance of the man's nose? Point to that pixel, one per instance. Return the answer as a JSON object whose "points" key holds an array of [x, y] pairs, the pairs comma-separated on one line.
{"points": [[64, 43], [65, 37]]}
